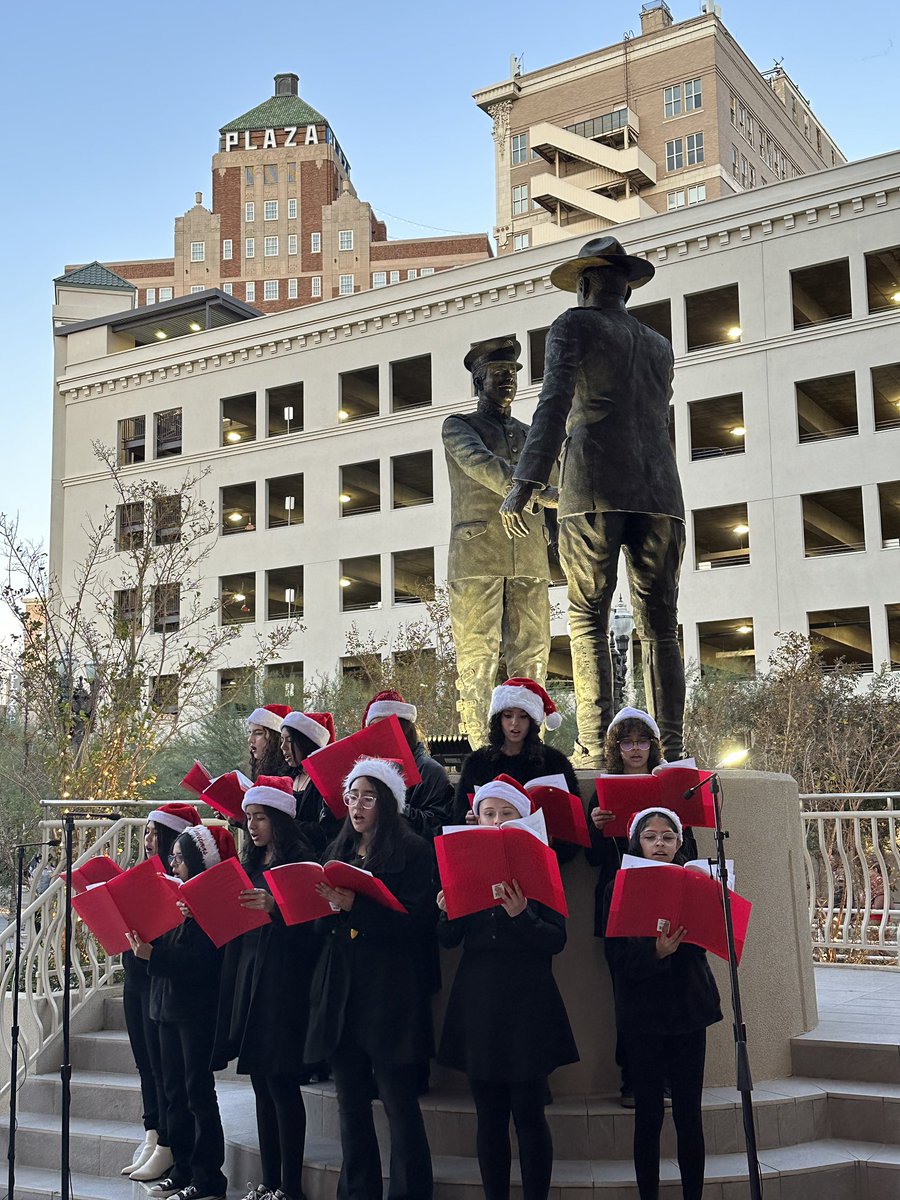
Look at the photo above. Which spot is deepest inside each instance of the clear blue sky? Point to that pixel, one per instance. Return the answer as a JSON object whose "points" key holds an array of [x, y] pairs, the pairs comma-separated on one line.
{"points": [[112, 112]]}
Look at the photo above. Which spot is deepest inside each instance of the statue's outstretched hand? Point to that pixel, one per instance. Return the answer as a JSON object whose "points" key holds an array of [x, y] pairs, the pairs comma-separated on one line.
{"points": [[548, 497], [513, 506]]}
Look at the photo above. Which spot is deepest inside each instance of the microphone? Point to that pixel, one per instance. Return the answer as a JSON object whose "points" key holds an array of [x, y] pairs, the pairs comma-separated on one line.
{"points": [[92, 816], [698, 786], [37, 845]]}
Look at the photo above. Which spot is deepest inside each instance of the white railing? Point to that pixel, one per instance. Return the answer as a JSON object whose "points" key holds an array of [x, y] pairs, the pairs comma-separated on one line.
{"points": [[852, 857], [42, 938]]}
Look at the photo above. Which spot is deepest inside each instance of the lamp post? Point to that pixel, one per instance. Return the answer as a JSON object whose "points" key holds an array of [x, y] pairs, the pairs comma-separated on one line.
{"points": [[621, 626]]}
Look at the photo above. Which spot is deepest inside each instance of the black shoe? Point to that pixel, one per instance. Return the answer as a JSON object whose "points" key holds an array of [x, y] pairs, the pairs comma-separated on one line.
{"points": [[626, 1098], [192, 1192], [166, 1187]]}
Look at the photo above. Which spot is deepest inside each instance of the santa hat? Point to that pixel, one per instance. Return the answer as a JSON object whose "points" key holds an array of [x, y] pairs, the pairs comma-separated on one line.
{"points": [[530, 697], [175, 816], [283, 783], [662, 812], [271, 797], [504, 787], [635, 714], [384, 769], [214, 842], [318, 727], [269, 716], [387, 704]]}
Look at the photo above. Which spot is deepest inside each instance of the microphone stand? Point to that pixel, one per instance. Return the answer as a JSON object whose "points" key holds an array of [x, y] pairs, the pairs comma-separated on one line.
{"points": [[65, 1070], [742, 1058]]}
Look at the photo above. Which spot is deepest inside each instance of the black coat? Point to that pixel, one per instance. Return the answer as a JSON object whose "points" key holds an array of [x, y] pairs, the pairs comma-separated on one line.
{"points": [[313, 816], [137, 978], [184, 971], [429, 803], [264, 1004], [660, 995], [506, 1020], [369, 979]]}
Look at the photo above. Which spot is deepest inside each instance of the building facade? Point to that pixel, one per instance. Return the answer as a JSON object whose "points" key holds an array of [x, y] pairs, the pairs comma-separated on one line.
{"points": [[320, 428], [671, 118], [286, 226]]}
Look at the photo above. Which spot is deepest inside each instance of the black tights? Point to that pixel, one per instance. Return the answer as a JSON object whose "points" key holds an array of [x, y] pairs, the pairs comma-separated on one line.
{"points": [[281, 1130], [656, 1059], [494, 1103]]}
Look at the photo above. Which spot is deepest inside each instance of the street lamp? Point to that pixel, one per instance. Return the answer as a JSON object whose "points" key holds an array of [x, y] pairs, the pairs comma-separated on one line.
{"points": [[621, 627]]}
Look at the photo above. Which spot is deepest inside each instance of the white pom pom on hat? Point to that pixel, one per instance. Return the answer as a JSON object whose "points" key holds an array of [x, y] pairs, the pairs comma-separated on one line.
{"points": [[530, 697], [663, 812], [386, 771], [634, 714]]}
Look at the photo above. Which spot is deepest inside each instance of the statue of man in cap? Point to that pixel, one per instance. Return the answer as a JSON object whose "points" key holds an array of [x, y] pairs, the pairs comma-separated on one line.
{"points": [[498, 588], [605, 403]]}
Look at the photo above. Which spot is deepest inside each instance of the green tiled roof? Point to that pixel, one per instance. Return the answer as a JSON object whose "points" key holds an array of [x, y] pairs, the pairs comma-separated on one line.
{"points": [[277, 112], [94, 275]]}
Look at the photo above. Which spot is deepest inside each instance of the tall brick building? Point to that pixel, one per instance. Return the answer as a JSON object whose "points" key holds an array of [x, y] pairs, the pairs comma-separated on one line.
{"points": [[286, 226]]}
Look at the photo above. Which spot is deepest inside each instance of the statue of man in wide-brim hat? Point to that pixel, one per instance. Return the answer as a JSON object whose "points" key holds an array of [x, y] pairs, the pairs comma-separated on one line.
{"points": [[605, 404]]}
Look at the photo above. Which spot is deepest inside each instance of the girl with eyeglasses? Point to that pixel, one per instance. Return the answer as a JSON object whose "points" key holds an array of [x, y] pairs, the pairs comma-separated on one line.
{"points": [[370, 1013], [264, 999], [666, 998]]}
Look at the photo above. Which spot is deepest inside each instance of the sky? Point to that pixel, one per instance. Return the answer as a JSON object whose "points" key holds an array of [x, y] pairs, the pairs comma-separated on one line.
{"points": [[112, 112]]}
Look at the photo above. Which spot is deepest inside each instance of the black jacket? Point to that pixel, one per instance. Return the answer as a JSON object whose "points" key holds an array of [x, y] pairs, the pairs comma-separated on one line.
{"points": [[137, 978], [369, 980], [184, 971], [506, 1020], [429, 803], [311, 817]]}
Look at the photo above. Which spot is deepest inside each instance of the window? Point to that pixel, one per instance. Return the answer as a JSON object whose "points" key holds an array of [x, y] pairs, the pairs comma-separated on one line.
{"points": [[249, 247], [130, 525], [826, 408], [537, 347], [412, 479], [284, 683], [164, 694], [597, 127], [196, 287], [413, 575], [656, 316], [360, 582], [358, 394], [735, 159], [721, 537], [379, 279], [292, 208], [520, 241], [270, 173], [821, 293], [167, 518], [345, 239], [694, 147], [270, 210], [362, 667], [239, 419], [693, 95], [249, 212], [360, 488], [519, 152], [426, 271], [883, 280], [250, 292], [292, 289], [270, 289], [892, 613], [284, 594], [411, 383], [226, 249], [285, 501], [726, 647], [237, 505], [713, 318], [316, 286], [132, 447], [889, 508], [395, 276], [674, 155], [696, 194], [717, 426], [198, 251], [412, 273], [228, 289], [168, 433], [345, 285], [248, 176], [672, 100], [151, 296], [833, 522], [270, 246], [166, 607], [237, 690], [733, 110], [128, 614], [520, 199], [237, 598], [165, 293], [886, 396], [842, 635], [292, 243], [315, 243], [285, 408], [675, 200]]}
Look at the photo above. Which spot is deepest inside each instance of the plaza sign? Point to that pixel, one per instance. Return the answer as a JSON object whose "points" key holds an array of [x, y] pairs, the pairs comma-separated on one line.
{"points": [[269, 142]]}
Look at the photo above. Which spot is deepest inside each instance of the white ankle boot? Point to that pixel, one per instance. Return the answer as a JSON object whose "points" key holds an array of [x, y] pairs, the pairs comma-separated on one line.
{"points": [[156, 1165], [143, 1152]]}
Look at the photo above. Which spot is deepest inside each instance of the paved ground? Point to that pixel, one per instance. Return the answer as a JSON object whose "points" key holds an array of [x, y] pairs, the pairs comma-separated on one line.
{"points": [[858, 1004]]}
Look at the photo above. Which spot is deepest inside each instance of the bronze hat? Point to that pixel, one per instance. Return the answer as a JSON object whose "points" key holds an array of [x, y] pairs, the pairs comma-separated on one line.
{"points": [[493, 350], [602, 252]]}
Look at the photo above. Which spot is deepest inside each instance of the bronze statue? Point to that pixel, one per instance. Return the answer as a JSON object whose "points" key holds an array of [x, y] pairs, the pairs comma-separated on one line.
{"points": [[605, 401], [498, 588]]}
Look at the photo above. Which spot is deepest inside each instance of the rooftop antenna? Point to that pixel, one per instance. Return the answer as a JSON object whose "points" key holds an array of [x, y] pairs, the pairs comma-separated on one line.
{"points": [[516, 64], [711, 8]]}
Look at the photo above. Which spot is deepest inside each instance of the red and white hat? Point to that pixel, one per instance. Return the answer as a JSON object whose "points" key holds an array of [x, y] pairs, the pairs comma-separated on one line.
{"points": [[318, 727], [175, 816], [388, 704], [663, 812], [504, 787], [269, 716], [530, 697], [271, 797], [214, 842], [283, 783], [384, 769], [635, 714]]}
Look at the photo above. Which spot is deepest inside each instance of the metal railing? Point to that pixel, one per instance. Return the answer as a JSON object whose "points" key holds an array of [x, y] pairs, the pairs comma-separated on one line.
{"points": [[851, 851]]}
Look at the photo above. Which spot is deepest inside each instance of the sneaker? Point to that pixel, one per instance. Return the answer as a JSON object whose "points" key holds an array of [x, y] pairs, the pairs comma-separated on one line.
{"points": [[626, 1099], [192, 1192], [166, 1187], [259, 1192]]}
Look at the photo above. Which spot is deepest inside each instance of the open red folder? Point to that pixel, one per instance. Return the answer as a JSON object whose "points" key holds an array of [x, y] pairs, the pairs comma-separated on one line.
{"points": [[141, 898], [329, 767], [473, 859], [627, 794], [99, 869], [563, 812], [665, 892], [197, 779], [225, 794], [212, 897], [294, 888]]}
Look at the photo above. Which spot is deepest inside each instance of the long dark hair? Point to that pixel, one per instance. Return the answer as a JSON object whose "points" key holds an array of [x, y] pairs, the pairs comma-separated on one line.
{"points": [[165, 841], [387, 832], [632, 727], [634, 842], [272, 762], [532, 747], [190, 852], [288, 844], [301, 745]]}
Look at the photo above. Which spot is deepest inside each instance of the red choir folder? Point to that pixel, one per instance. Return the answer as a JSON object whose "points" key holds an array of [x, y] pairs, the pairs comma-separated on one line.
{"points": [[141, 898], [563, 812], [197, 779], [627, 794], [212, 897], [641, 899], [225, 794], [473, 859], [99, 869], [294, 887], [329, 767]]}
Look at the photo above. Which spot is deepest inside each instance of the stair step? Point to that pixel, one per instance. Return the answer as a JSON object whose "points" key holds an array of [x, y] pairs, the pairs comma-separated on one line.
{"points": [[103, 1050], [97, 1147], [826, 1052], [114, 1012], [40, 1183]]}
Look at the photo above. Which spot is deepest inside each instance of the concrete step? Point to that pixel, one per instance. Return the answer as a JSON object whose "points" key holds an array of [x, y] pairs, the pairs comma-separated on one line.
{"points": [[861, 1110], [114, 1012], [39, 1183], [109, 1096], [103, 1050], [826, 1053], [96, 1147]]}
